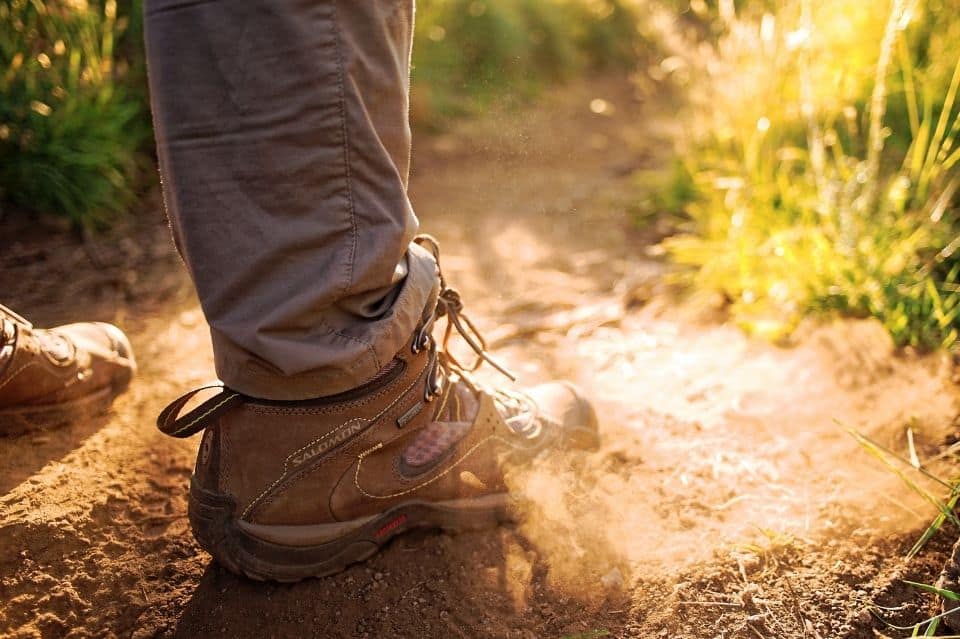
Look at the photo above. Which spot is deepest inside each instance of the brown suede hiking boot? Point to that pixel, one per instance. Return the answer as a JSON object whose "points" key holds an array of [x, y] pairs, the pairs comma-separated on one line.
{"points": [[53, 377], [288, 490]]}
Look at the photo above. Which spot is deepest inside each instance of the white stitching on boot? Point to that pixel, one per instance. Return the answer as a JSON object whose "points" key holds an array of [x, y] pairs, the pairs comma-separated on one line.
{"points": [[253, 504], [356, 476], [17, 372]]}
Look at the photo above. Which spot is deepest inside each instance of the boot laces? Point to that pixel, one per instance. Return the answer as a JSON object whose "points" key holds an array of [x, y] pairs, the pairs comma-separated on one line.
{"points": [[10, 325], [9, 321], [520, 413], [518, 409], [7, 313]]}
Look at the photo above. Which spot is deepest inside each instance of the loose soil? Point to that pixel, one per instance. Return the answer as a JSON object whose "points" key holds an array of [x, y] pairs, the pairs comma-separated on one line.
{"points": [[726, 500]]}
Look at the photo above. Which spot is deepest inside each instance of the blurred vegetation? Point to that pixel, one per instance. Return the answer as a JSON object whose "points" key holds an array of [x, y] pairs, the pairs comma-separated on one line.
{"points": [[469, 52], [73, 115], [819, 169], [74, 122]]}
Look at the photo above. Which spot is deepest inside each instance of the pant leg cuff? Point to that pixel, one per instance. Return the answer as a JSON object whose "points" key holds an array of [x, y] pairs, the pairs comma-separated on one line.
{"points": [[359, 358]]}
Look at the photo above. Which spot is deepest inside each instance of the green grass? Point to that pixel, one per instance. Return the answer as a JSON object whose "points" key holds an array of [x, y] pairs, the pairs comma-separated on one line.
{"points": [[908, 471], [73, 122], [828, 185]]}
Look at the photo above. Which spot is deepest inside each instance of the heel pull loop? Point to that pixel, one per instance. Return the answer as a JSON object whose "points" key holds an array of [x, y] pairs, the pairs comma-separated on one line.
{"points": [[170, 423]]}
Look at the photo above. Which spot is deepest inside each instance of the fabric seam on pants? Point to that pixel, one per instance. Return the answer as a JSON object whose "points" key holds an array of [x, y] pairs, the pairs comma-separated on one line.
{"points": [[348, 178], [339, 333], [346, 149]]}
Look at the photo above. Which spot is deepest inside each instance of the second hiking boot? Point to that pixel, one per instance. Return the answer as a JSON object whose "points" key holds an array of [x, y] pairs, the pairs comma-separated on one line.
{"points": [[52, 377]]}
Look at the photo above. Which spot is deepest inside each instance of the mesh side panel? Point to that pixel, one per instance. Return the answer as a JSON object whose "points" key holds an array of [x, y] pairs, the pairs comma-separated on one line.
{"points": [[433, 441]]}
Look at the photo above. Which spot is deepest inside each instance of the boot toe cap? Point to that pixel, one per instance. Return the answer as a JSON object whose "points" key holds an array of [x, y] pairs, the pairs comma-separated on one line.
{"points": [[124, 357]]}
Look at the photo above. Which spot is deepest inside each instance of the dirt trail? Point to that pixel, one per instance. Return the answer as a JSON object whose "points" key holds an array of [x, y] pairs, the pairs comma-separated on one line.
{"points": [[725, 502]]}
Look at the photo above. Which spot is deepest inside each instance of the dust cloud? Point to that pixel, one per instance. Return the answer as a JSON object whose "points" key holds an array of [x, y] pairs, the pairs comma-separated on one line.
{"points": [[715, 444]]}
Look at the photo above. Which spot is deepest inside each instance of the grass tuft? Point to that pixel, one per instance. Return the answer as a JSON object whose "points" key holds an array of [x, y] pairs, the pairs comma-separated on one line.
{"points": [[72, 124], [825, 172]]}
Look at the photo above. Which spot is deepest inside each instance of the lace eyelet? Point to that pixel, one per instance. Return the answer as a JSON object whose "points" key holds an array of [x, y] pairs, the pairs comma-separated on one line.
{"points": [[433, 389], [421, 341]]}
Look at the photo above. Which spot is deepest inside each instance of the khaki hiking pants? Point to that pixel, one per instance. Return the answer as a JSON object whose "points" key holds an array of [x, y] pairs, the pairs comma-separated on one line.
{"points": [[284, 148]]}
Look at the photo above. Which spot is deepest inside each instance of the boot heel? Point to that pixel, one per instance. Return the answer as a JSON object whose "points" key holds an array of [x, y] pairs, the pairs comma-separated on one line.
{"points": [[214, 523], [212, 517]]}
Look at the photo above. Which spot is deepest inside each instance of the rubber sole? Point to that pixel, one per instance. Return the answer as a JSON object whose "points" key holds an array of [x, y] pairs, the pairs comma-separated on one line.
{"points": [[218, 531], [24, 419]]}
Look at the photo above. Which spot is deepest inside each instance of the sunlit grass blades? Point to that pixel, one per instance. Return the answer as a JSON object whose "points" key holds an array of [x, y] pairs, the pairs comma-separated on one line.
{"points": [[810, 210]]}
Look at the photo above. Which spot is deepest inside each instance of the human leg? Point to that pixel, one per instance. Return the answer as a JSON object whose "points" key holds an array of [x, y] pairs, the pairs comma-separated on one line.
{"points": [[284, 149], [342, 422]]}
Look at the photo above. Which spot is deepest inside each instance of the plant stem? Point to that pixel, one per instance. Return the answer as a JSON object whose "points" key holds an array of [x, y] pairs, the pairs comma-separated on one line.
{"points": [[878, 107]]}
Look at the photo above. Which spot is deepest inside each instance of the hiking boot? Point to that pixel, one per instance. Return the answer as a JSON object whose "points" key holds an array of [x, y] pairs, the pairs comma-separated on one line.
{"points": [[60, 375], [288, 490]]}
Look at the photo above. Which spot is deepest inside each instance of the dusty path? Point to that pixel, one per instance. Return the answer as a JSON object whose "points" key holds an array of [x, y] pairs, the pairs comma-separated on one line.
{"points": [[725, 502]]}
